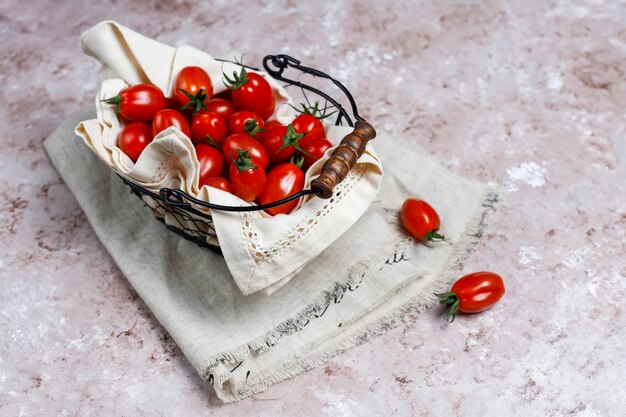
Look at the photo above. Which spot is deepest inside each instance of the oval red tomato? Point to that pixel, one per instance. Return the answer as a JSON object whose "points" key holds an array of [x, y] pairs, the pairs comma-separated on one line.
{"points": [[218, 182], [245, 121], [222, 107], [246, 178], [172, 103], [208, 127], [139, 103], [473, 293], [282, 181], [167, 118], [226, 95], [245, 142], [250, 91], [211, 162], [133, 139], [313, 149], [281, 143], [271, 124], [193, 88], [420, 220], [310, 125]]}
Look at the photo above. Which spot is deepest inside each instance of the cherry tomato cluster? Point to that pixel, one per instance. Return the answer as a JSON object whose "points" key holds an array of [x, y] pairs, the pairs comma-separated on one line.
{"points": [[471, 293], [239, 150]]}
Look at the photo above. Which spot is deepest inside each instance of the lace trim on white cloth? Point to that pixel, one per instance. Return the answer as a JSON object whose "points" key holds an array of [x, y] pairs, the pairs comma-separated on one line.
{"points": [[260, 255], [168, 165], [256, 251]]}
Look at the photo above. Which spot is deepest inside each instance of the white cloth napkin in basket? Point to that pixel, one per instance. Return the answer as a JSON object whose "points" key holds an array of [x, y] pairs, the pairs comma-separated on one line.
{"points": [[262, 252], [369, 280]]}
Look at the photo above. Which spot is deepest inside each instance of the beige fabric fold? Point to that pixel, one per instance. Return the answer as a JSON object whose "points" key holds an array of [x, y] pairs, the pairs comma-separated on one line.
{"points": [[262, 252], [367, 281]]}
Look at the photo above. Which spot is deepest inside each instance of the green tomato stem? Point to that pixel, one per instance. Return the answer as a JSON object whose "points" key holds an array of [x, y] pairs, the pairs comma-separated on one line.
{"points": [[433, 235], [243, 162], [196, 101], [450, 299]]}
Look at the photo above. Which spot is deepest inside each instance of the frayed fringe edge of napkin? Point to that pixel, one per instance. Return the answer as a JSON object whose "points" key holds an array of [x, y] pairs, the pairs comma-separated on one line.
{"points": [[474, 233]]}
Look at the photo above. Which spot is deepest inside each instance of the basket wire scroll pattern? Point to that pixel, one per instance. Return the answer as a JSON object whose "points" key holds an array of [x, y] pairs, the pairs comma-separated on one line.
{"points": [[191, 224]]}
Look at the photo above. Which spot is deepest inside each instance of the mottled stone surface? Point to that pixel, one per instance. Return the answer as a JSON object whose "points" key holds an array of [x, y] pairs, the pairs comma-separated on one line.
{"points": [[530, 96]]}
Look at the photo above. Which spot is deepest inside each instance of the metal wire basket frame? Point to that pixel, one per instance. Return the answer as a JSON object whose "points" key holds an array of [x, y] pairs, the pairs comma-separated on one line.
{"points": [[191, 217]]}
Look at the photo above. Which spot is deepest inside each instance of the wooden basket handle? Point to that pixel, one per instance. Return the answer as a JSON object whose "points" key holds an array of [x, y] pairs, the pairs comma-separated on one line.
{"points": [[343, 158]]}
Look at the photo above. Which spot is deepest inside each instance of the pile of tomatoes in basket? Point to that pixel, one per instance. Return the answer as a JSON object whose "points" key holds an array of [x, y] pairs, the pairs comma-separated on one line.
{"points": [[238, 149]]}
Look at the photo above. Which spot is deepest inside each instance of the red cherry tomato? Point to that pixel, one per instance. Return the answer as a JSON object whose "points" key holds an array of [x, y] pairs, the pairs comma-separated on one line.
{"points": [[193, 88], [473, 293], [222, 107], [309, 125], [313, 149], [123, 121], [246, 178], [245, 142], [282, 181], [139, 103], [226, 95], [250, 91], [420, 220], [133, 139], [218, 182], [168, 117], [211, 162], [208, 127], [172, 103], [245, 121], [281, 143], [271, 124]]}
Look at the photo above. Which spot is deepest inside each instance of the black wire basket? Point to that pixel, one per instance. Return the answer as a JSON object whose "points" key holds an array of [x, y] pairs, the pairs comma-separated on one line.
{"points": [[191, 218]]}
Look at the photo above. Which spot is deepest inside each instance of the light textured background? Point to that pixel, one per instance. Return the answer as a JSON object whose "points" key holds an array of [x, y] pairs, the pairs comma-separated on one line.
{"points": [[530, 96]]}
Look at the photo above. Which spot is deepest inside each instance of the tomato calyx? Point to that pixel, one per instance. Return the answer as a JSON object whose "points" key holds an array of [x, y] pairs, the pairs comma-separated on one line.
{"points": [[434, 236], [315, 110], [238, 80], [450, 299], [297, 160], [196, 101], [252, 127], [243, 162], [114, 101], [292, 138]]}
